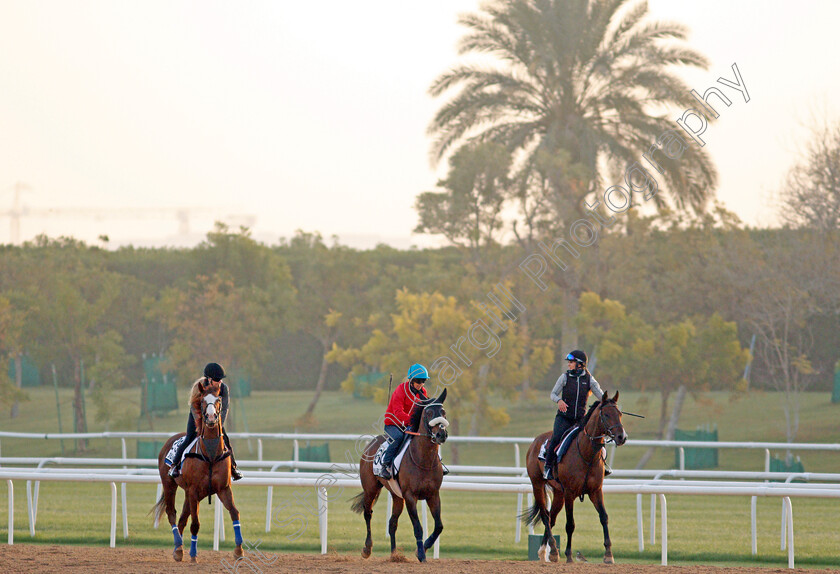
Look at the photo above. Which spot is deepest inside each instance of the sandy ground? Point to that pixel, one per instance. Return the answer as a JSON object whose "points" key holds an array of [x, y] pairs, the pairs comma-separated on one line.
{"points": [[31, 559]]}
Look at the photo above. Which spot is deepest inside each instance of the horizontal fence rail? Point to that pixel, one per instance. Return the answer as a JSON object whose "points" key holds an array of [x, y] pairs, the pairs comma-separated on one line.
{"points": [[658, 488]]}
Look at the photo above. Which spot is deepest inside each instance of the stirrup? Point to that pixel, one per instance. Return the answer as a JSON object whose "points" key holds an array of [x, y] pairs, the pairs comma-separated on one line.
{"points": [[607, 470], [386, 472], [175, 471], [547, 472]]}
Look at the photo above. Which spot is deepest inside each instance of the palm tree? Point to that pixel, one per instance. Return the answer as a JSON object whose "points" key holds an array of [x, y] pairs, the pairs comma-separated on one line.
{"points": [[577, 89]]}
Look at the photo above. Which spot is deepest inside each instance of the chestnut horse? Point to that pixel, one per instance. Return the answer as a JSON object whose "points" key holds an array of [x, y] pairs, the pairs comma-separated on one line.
{"points": [[580, 472], [419, 478], [203, 473]]}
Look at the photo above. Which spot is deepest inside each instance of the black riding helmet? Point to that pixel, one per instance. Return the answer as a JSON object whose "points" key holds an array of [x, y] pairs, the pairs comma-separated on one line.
{"points": [[578, 356], [214, 372]]}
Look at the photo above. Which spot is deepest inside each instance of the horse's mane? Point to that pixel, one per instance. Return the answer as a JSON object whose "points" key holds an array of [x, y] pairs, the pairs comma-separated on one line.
{"points": [[588, 414], [416, 415], [592, 408]]}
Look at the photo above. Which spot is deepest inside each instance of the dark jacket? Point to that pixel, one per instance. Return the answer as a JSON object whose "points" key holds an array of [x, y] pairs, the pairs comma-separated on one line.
{"points": [[574, 388]]}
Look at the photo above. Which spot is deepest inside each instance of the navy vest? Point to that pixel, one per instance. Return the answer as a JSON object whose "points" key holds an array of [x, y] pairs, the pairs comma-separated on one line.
{"points": [[575, 394]]}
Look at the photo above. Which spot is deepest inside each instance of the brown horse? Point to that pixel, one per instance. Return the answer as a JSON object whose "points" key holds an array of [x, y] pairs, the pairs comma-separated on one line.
{"points": [[580, 472], [204, 472], [419, 478]]}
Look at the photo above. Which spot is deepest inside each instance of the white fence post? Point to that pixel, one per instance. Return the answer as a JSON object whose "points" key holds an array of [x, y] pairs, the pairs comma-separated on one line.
{"points": [[518, 526], [113, 514], [321, 493], [11, 512], [124, 500], [786, 501], [639, 525], [753, 526], [663, 505]]}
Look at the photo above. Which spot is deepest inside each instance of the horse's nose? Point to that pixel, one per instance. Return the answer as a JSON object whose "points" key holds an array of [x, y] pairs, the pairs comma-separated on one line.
{"points": [[622, 438]]}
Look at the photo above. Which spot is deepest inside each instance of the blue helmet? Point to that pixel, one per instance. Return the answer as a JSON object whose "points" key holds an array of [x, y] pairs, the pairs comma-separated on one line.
{"points": [[417, 371]]}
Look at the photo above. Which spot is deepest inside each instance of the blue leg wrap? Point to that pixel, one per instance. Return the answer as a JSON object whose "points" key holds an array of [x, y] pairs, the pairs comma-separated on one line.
{"points": [[194, 546], [177, 535], [237, 531]]}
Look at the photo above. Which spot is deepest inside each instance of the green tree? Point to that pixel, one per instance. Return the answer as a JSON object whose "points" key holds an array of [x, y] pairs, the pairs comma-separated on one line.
{"points": [[332, 297], [11, 327], [468, 212], [421, 330], [70, 296]]}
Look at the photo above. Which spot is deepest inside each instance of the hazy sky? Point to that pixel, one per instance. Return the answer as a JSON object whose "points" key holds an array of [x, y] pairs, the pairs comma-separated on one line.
{"points": [[313, 115]]}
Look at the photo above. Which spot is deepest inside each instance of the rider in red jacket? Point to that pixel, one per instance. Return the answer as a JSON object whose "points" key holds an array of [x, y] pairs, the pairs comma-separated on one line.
{"points": [[398, 413]]}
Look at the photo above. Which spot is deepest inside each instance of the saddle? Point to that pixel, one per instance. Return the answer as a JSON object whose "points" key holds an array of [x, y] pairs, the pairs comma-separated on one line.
{"points": [[563, 447], [380, 453]]}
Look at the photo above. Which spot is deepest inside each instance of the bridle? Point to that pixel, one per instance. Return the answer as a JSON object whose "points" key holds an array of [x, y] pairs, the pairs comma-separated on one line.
{"points": [[609, 433], [433, 437]]}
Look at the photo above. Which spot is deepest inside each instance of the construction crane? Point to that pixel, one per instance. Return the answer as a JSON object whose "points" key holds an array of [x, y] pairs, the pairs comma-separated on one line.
{"points": [[181, 214]]}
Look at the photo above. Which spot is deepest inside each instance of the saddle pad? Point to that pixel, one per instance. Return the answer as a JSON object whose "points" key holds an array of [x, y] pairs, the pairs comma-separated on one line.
{"points": [[171, 454], [563, 446], [380, 452]]}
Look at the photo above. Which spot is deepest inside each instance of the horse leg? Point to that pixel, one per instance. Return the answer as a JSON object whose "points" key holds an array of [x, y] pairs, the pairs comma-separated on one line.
{"points": [[434, 506], [178, 554], [194, 526], [548, 539], [369, 500], [411, 506], [570, 526], [597, 499], [396, 509], [226, 498], [169, 491], [556, 506]]}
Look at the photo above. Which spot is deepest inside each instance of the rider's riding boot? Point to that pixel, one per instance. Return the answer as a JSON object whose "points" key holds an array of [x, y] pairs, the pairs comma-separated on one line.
{"points": [[386, 472], [547, 473], [607, 470], [445, 470], [234, 472]]}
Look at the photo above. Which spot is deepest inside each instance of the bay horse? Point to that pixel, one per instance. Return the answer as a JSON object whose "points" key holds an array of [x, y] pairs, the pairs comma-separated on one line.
{"points": [[203, 473], [581, 471], [419, 477]]}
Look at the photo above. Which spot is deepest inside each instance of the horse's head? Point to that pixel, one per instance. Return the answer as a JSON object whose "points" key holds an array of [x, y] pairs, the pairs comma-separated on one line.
{"points": [[609, 419], [211, 408], [433, 420]]}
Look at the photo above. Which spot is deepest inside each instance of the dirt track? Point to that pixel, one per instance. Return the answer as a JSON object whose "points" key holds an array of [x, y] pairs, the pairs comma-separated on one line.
{"points": [[31, 559]]}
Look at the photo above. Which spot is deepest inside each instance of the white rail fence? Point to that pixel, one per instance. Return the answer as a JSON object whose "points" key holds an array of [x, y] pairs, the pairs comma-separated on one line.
{"points": [[660, 490], [517, 471]]}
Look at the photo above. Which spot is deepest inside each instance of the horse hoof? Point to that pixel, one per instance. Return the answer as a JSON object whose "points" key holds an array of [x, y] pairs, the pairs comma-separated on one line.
{"points": [[541, 553], [237, 552], [193, 559], [178, 554], [365, 552], [569, 560], [554, 556], [609, 559]]}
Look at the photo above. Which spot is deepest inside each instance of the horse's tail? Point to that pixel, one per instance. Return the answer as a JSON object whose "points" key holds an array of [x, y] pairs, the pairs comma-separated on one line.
{"points": [[158, 507], [358, 503], [531, 516]]}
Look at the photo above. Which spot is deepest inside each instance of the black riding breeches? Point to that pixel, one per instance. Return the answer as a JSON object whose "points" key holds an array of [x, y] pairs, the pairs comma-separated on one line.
{"points": [[561, 425]]}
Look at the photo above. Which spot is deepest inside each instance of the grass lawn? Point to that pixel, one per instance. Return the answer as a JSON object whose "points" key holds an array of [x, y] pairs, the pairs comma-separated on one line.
{"points": [[711, 530]]}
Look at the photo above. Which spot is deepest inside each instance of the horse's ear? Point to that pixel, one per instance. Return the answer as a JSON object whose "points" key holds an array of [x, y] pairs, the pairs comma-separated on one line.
{"points": [[615, 398], [442, 396]]}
